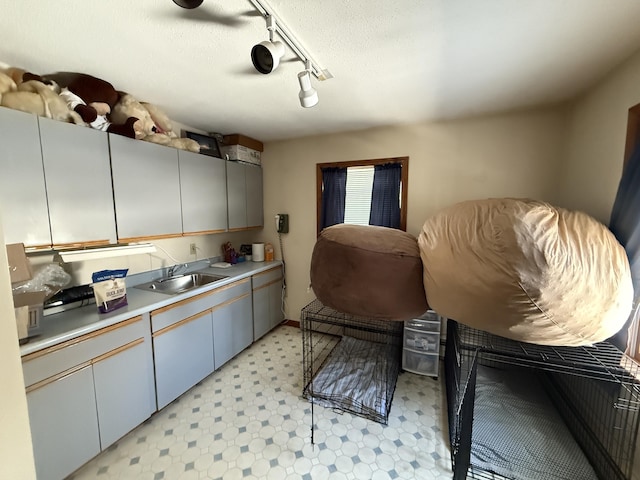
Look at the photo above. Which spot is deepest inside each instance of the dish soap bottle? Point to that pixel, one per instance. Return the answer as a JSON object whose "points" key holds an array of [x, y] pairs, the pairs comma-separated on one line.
{"points": [[268, 252]]}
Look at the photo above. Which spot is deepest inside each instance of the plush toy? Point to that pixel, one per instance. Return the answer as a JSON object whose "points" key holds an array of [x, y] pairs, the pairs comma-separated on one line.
{"points": [[39, 98], [93, 99], [7, 84], [154, 125]]}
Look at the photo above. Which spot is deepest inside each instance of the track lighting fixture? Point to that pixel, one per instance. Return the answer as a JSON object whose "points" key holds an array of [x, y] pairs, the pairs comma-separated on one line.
{"points": [[308, 95], [188, 3], [266, 55]]}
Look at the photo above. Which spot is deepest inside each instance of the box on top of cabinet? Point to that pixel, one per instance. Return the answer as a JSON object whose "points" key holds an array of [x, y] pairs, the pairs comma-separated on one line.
{"points": [[19, 266], [242, 148]]}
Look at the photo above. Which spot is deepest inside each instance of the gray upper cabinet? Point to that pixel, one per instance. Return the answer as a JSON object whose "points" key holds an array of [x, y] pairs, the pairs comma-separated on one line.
{"points": [[244, 187], [253, 178], [237, 196], [146, 189], [78, 183], [23, 198], [203, 187]]}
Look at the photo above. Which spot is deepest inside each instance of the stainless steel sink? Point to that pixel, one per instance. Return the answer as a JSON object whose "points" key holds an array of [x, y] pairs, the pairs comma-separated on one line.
{"points": [[180, 283]]}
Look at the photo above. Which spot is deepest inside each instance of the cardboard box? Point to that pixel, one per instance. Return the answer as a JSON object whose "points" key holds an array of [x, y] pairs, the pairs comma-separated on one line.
{"points": [[237, 139], [19, 266], [30, 306], [241, 153]]}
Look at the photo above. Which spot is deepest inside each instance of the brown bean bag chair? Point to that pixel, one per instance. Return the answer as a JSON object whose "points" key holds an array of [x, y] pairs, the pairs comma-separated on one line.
{"points": [[526, 270], [368, 271]]}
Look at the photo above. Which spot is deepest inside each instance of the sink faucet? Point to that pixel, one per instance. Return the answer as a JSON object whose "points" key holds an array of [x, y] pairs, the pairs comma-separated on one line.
{"points": [[173, 268]]}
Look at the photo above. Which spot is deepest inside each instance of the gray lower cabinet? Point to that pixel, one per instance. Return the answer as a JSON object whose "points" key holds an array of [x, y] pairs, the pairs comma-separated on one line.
{"points": [[146, 189], [64, 424], [232, 328], [86, 393], [23, 197], [267, 301], [124, 388], [183, 354], [203, 189], [193, 337]]}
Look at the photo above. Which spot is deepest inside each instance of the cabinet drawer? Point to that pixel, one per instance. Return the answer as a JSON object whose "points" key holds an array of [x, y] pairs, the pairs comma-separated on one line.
{"points": [[421, 341], [166, 316], [420, 363], [422, 325], [263, 278], [50, 361]]}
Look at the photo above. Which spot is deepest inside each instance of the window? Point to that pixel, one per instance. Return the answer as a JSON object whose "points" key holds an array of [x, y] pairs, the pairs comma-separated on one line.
{"points": [[363, 192]]}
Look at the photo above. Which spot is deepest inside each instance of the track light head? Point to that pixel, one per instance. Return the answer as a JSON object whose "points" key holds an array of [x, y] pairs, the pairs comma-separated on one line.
{"points": [[188, 3], [308, 95], [266, 56]]}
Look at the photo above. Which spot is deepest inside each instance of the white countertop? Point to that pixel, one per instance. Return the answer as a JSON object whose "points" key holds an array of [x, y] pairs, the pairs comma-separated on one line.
{"points": [[60, 327]]}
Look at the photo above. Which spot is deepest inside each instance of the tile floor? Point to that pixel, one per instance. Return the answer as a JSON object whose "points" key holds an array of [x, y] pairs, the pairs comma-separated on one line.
{"points": [[249, 421]]}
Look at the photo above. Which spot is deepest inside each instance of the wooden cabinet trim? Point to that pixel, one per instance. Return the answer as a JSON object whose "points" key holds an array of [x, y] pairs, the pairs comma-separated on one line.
{"points": [[182, 322], [74, 341], [204, 232], [270, 271], [148, 238], [200, 296], [59, 376]]}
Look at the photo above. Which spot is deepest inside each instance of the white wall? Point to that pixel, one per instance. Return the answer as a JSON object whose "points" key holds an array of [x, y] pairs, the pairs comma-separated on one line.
{"points": [[505, 155], [16, 454], [594, 152]]}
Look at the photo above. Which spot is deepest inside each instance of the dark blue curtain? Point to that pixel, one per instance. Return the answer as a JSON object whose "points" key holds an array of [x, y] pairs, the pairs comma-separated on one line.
{"points": [[334, 181], [625, 225], [385, 197]]}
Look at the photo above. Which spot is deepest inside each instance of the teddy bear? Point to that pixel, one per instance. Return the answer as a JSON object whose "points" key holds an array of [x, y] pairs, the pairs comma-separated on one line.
{"points": [[154, 126], [36, 97], [92, 99]]}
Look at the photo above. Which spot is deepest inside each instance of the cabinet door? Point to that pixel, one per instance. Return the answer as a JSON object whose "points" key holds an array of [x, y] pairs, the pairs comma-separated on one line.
{"points": [[23, 198], [237, 195], [146, 189], [253, 178], [78, 180], [261, 312], [275, 304], [203, 186], [64, 424], [124, 390], [232, 329], [183, 354]]}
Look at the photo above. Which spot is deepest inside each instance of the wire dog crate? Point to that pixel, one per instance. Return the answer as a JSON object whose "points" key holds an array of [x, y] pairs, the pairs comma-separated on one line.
{"points": [[593, 394], [350, 363]]}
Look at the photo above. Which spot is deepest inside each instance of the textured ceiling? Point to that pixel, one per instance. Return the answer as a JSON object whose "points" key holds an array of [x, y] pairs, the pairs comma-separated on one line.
{"points": [[393, 62]]}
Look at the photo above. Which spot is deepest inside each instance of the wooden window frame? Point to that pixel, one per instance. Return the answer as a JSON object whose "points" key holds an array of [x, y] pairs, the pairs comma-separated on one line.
{"points": [[403, 161]]}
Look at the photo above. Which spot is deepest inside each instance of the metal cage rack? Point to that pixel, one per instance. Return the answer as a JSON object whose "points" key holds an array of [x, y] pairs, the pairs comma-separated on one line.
{"points": [[323, 332], [595, 389]]}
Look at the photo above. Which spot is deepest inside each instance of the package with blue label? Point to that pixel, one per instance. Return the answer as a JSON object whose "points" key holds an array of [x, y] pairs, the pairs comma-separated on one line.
{"points": [[109, 289]]}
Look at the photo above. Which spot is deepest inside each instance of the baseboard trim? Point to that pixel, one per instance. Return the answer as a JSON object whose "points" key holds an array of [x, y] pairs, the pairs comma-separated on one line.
{"points": [[292, 323]]}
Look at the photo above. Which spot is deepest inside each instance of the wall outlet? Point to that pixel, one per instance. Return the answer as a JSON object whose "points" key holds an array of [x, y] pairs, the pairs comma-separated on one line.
{"points": [[192, 248]]}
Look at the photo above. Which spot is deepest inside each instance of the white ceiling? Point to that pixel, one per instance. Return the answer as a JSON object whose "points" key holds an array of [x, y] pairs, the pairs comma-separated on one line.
{"points": [[393, 61]]}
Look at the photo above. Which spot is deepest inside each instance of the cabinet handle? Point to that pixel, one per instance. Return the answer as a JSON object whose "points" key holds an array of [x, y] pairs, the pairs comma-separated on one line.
{"points": [[74, 341], [224, 304], [181, 323], [268, 284], [118, 350], [59, 376]]}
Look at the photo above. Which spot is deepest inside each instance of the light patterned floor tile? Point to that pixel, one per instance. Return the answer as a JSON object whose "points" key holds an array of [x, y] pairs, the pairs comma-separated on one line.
{"points": [[248, 421]]}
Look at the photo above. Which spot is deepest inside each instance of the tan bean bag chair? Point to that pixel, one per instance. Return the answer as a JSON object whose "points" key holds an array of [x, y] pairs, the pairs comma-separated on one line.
{"points": [[527, 271], [368, 271]]}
